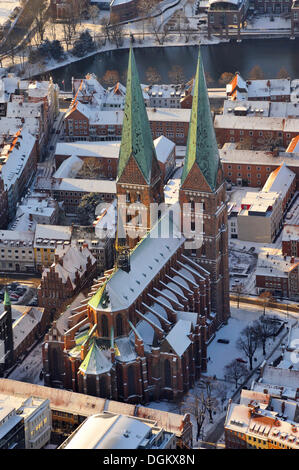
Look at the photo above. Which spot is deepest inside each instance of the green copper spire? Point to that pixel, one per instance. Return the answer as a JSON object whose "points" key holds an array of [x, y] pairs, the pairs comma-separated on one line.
{"points": [[7, 300], [136, 132], [202, 146]]}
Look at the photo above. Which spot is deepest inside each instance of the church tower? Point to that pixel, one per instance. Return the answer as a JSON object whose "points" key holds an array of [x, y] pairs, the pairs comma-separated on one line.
{"points": [[139, 180], [203, 191]]}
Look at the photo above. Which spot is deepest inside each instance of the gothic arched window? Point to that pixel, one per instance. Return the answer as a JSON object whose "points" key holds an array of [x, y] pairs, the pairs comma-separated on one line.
{"points": [[131, 380], [167, 373], [104, 323], [119, 325]]}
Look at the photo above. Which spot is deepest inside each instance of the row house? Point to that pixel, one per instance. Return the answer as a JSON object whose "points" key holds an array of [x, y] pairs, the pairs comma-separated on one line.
{"points": [[69, 410], [283, 181], [101, 246], [294, 16], [223, 15], [61, 9], [261, 213], [253, 167], [277, 274], [277, 89], [74, 269], [16, 251], [272, 6], [3, 206], [46, 239], [71, 190], [101, 157], [290, 240], [261, 421], [123, 10], [32, 104], [18, 160], [255, 132], [260, 217], [85, 123]]}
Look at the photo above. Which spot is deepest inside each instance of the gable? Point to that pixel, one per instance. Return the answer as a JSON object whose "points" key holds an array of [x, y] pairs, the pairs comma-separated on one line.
{"points": [[196, 181], [131, 173]]}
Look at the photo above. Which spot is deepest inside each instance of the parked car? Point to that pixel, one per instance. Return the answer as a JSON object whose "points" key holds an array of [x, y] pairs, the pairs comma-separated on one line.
{"points": [[222, 340]]}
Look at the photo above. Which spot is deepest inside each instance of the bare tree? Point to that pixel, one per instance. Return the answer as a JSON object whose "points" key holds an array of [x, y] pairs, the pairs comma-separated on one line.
{"points": [[152, 76], [69, 31], [93, 13], [110, 78], [248, 343], [225, 78], [89, 170], [238, 289], [235, 370], [144, 8], [264, 328], [283, 73], [52, 25], [155, 27], [197, 406], [176, 74], [117, 34], [265, 296], [106, 27], [256, 73], [40, 20]]}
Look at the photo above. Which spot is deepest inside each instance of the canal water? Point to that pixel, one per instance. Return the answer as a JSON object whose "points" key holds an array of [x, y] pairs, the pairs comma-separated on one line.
{"points": [[269, 54]]}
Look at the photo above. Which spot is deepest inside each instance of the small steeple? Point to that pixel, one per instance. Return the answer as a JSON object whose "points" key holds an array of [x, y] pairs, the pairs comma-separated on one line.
{"points": [[136, 138], [202, 147], [7, 301]]}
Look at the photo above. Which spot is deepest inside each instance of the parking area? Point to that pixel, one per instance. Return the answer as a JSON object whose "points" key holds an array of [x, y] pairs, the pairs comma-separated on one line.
{"points": [[19, 293]]}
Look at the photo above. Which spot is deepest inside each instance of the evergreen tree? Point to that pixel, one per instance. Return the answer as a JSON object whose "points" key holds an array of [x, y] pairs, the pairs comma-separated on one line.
{"points": [[56, 50]]}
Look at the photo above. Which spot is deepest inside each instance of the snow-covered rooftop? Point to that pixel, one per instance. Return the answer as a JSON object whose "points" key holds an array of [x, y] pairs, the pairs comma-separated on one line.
{"points": [[272, 263], [290, 233], [69, 168], [163, 147], [85, 185], [107, 431], [88, 149], [280, 180], [124, 288], [14, 157]]}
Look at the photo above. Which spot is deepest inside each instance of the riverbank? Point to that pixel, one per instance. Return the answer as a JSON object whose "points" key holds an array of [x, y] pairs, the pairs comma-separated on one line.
{"points": [[34, 70]]}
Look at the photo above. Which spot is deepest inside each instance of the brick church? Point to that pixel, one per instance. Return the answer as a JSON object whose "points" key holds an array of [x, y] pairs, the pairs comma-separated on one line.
{"points": [[143, 332]]}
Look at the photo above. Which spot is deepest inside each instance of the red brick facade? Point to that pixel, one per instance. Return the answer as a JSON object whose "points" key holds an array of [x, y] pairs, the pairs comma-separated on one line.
{"points": [[80, 129], [54, 291]]}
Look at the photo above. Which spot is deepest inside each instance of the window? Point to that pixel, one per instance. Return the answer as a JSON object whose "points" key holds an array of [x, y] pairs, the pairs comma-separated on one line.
{"points": [[104, 323], [119, 325], [167, 374]]}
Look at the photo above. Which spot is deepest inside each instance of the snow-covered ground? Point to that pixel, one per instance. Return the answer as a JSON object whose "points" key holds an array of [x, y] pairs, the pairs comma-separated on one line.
{"points": [[220, 355], [96, 30], [6, 8], [263, 22], [29, 370]]}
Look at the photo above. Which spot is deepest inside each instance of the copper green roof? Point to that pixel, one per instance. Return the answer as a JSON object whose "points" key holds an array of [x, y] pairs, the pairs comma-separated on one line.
{"points": [[202, 146], [6, 298], [95, 361], [136, 137]]}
